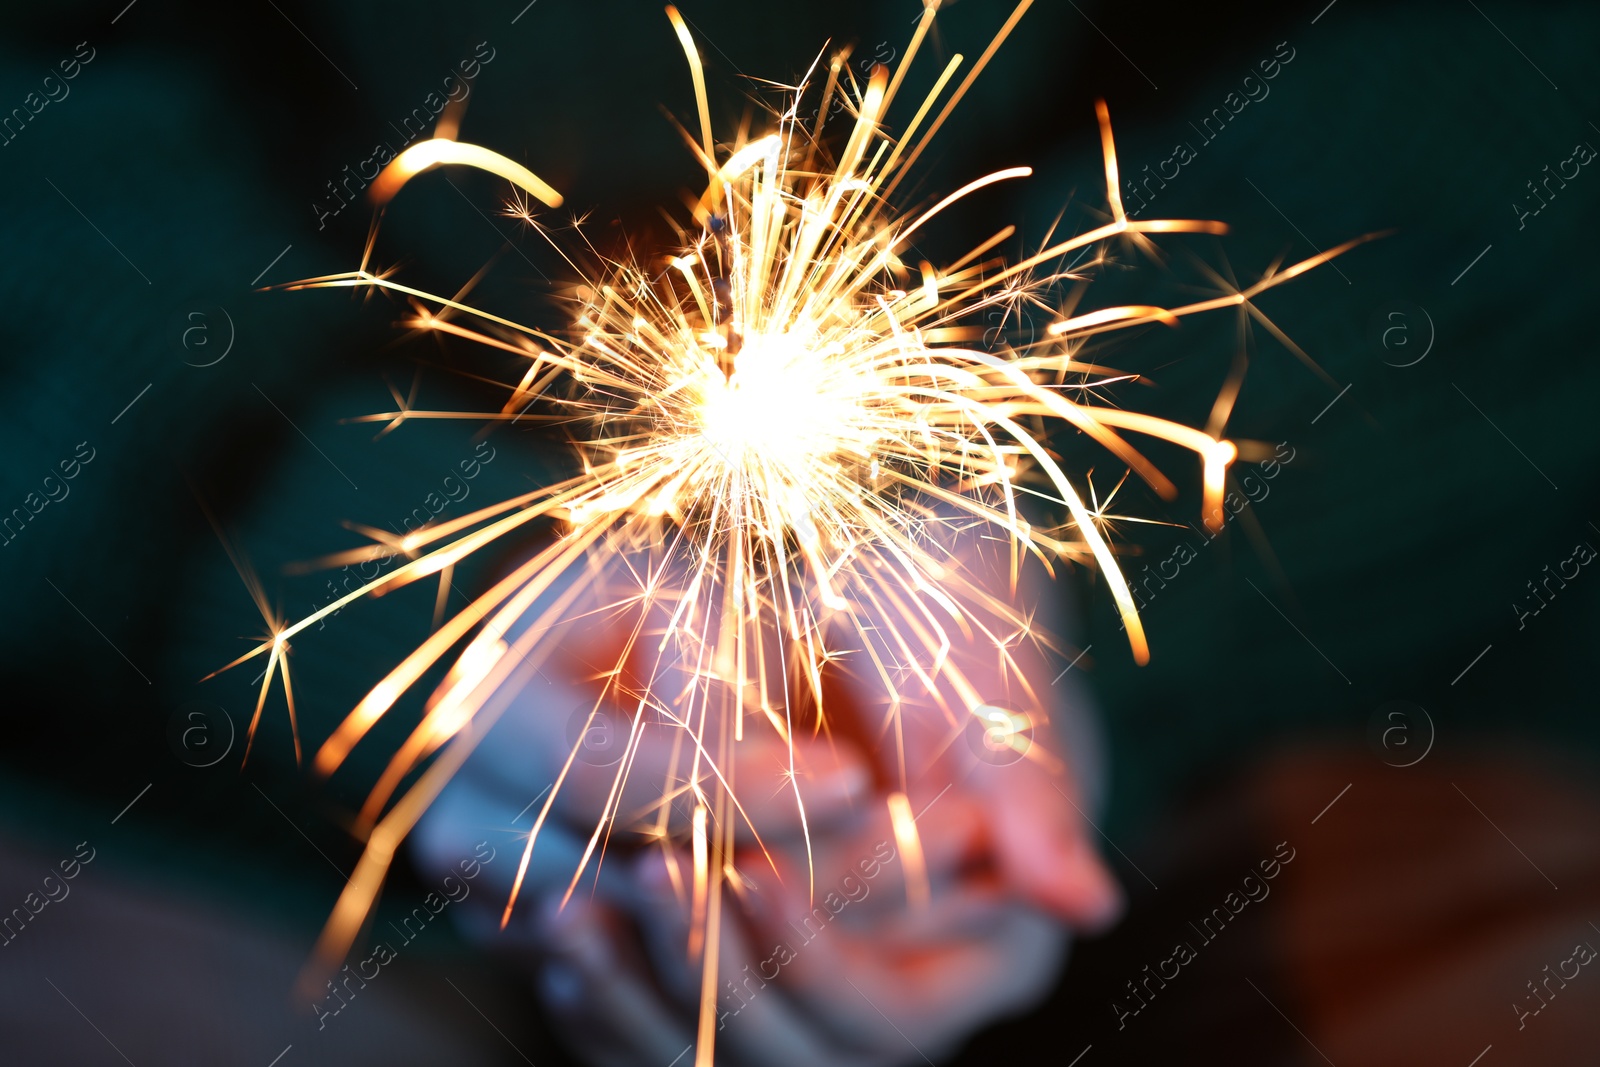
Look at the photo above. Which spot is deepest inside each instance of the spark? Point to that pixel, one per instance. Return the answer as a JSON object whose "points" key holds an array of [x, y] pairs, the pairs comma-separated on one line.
{"points": [[910, 843], [783, 429]]}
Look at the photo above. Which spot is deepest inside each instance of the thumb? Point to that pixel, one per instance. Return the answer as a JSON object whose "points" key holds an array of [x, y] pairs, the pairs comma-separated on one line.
{"points": [[1042, 845], [808, 784]]}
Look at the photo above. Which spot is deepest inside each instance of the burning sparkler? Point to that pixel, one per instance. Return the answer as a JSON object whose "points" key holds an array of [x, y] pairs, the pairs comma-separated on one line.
{"points": [[786, 422]]}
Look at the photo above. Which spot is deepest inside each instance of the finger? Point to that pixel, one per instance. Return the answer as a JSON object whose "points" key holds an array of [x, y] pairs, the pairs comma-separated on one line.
{"points": [[859, 883], [635, 770], [1020, 825], [757, 1022], [472, 809], [1038, 830], [599, 993], [469, 819], [927, 992], [1042, 845], [621, 721], [970, 949], [761, 1022], [786, 789]]}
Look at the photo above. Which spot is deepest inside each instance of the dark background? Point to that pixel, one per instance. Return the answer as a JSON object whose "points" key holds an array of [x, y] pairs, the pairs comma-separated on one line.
{"points": [[190, 151]]}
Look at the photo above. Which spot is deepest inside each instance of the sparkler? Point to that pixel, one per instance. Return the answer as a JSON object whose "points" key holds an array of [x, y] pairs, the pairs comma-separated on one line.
{"points": [[784, 425]]}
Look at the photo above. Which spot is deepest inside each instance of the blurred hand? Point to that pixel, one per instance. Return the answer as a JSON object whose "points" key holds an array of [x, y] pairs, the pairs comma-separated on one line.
{"points": [[820, 957]]}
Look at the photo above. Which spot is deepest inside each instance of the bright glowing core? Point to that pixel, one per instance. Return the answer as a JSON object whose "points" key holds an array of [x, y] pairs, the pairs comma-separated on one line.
{"points": [[774, 409]]}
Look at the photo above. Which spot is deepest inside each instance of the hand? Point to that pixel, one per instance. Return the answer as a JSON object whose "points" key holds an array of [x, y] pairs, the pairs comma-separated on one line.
{"points": [[850, 974]]}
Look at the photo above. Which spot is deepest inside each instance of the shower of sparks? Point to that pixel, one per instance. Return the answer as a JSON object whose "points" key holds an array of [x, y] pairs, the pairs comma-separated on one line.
{"points": [[783, 426]]}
